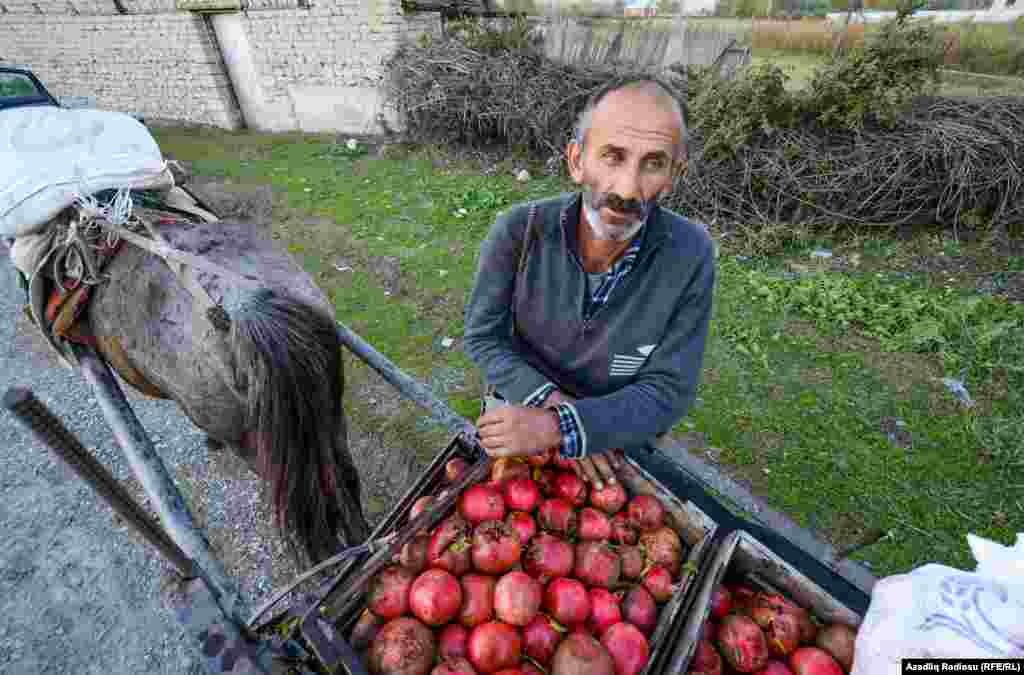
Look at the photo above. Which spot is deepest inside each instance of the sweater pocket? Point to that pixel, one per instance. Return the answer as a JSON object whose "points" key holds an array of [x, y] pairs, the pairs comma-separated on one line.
{"points": [[625, 365]]}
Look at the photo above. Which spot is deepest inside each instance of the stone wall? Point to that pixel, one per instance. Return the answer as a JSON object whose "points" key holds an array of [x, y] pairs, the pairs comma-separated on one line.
{"points": [[314, 67]]}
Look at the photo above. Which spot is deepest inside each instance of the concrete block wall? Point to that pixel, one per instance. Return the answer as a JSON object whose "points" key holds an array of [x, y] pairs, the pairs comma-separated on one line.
{"points": [[317, 67]]}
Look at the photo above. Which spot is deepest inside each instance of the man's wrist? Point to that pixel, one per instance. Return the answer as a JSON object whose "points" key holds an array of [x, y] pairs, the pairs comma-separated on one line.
{"points": [[554, 429]]}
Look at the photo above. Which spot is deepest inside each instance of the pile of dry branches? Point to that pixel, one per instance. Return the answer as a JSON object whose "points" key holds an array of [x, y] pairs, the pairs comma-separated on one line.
{"points": [[955, 162]]}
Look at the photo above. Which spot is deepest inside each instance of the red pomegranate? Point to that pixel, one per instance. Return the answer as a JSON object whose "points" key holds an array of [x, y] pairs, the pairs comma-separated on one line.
{"points": [[478, 599], [571, 488], [389, 592], [721, 602], [496, 547], [813, 661], [556, 515], [604, 610], [622, 531], [706, 659], [480, 502], [435, 597], [628, 648], [494, 646], [523, 524], [566, 600], [540, 639], [521, 494], [645, 512], [517, 598], [593, 525], [548, 557], [509, 468], [451, 641], [742, 643], [610, 498], [639, 608], [597, 564]]}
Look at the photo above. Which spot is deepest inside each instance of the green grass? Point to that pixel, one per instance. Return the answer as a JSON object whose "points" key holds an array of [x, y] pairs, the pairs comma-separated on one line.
{"points": [[795, 398]]}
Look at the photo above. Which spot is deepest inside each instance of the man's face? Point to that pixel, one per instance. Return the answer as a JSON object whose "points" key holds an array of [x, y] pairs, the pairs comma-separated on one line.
{"points": [[626, 163]]}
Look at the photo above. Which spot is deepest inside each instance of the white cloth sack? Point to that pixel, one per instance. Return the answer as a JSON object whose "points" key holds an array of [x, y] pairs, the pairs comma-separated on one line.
{"points": [[936, 611], [49, 156]]}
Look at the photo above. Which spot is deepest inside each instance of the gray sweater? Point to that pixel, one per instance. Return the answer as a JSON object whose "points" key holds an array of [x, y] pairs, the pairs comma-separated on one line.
{"points": [[635, 365]]}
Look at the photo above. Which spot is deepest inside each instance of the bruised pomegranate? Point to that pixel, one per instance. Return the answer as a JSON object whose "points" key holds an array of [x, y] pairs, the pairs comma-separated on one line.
{"points": [[721, 602], [521, 494], [604, 610], [645, 512], [658, 583], [509, 468], [663, 547], [632, 561], [742, 643], [545, 480], [450, 546], [435, 597], [494, 646], [480, 503], [517, 598], [571, 488], [639, 609], [706, 659], [813, 661], [548, 557], [524, 525], [454, 666], [542, 458], [628, 648], [783, 635], [454, 468], [419, 506], [477, 599], [496, 547], [365, 630], [775, 668], [838, 640], [764, 607], [593, 525], [581, 654], [388, 597], [540, 638], [451, 642], [404, 646], [556, 515], [566, 600], [597, 564], [623, 531], [414, 553], [610, 498]]}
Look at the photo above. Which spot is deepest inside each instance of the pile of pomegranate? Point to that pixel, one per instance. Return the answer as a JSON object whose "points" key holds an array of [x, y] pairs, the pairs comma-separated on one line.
{"points": [[534, 573], [768, 634]]}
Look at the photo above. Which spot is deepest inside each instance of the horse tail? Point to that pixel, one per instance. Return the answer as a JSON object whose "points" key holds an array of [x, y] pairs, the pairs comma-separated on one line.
{"points": [[289, 359]]}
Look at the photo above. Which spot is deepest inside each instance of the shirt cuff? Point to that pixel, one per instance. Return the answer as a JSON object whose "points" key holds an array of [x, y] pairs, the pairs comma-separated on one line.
{"points": [[537, 398], [574, 439]]}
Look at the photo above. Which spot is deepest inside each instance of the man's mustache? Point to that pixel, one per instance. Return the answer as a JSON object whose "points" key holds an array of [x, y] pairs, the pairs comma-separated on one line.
{"points": [[635, 207]]}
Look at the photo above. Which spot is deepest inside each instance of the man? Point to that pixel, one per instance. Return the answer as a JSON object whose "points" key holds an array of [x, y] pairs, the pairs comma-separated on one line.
{"points": [[597, 343]]}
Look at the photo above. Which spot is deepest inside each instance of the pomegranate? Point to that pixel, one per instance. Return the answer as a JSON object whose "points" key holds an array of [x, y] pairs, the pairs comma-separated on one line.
{"points": [[610, 498], [813, 661], [571, 488], [783, 635], [556, 515], [545, 480], [566, 600], [622, 531], [709, 631], [449, 547], [510, 671], [451, 642], [524, 525], [581, 654], [628, 648], [721, 602], [496, 547], [481, 502], [658, 582], [706, 659], [604, 610], [632, 561], [454, 666], [540, 638], [593, 525], [435, 597], [388, 596], [494, 646], [419, 506], [509, 468], [365, 630], [454, 468], [663, 547], [742, 643], [548, 557], [645, 512], [542, 458], [521, 494], [517, 598], [414, 553], [528, 668], [597, 564], [838, 640], [404, 646], [742, 598], [764, 607], [564, 463], [639, 609], [775, 668], [478, 599]]}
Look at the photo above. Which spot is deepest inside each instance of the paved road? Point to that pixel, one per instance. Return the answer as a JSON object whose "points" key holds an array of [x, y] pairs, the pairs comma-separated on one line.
{"points": [[78, 592]]}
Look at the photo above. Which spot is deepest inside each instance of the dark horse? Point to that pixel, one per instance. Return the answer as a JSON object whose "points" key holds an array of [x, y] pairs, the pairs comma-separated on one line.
{"points": [[267, 382]]}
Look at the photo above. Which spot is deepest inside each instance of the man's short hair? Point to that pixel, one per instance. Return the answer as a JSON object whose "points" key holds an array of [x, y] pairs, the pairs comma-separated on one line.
{"points": [[586, 116]]}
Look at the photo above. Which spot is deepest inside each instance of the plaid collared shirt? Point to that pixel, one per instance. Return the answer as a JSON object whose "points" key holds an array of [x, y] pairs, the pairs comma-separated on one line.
{"points": [[568, 420]]}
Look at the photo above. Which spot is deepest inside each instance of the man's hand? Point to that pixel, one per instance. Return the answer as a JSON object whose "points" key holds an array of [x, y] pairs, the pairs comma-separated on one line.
{"points": [[515, 430], [596, 469]]}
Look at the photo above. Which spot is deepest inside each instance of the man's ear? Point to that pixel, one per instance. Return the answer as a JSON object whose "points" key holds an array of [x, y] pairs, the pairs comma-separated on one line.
{"points": [[574, 158], [679, 169]]}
